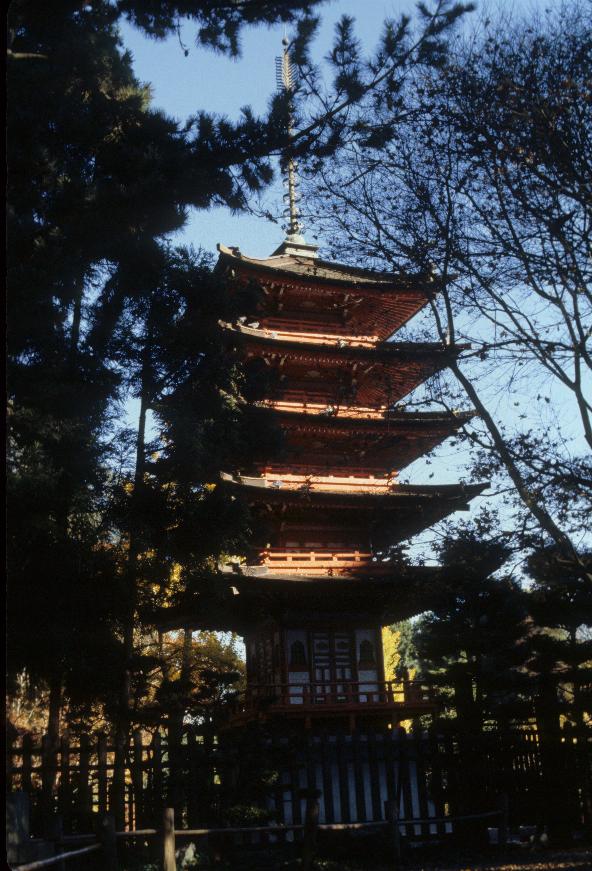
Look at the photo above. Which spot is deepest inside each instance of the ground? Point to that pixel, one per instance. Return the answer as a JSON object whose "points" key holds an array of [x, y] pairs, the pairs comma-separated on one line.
{"points": [[521, 859]]}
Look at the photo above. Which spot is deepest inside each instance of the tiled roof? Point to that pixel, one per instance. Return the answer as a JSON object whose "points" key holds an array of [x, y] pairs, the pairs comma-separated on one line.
{"points": [[314, 268]]}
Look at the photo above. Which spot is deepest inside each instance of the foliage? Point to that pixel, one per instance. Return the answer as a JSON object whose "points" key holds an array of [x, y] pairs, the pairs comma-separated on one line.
{"points": [[96, 178]]}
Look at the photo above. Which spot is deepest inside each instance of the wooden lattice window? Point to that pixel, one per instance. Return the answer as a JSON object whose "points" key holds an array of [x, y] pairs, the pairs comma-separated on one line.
{"points": [[367, 655], [298, 656]]}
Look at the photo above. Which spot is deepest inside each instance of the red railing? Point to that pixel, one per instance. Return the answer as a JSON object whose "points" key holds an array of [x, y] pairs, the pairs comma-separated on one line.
{"points": [[326, 694]]}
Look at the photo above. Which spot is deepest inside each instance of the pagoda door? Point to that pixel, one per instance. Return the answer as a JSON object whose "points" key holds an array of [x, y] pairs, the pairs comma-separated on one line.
{"points": [[333, 666]]}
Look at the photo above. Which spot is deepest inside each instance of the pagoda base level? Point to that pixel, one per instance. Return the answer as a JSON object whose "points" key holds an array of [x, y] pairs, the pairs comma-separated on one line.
{"points": [[320, 568], [368, 716], [376, 702]]}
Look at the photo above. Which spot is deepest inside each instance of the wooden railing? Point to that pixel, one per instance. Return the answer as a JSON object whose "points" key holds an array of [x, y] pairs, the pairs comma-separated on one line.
{"points": [[301, 400], [293, 480], [351, 694], [318, 561], [307, 335], [352, 473]]}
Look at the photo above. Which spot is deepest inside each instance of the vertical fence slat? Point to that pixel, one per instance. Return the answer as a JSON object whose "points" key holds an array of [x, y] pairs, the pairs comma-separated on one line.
{"points": [[404, 785], [102, 772], [48, 775], [117, 798], [193, 799], [84, 796], [327, 768], [295, 784], [64, 793], [374, 774], [357, 747], [26, 780], [157, 779], [421, 758], [138, 780], [343, 774], [435, 763]]}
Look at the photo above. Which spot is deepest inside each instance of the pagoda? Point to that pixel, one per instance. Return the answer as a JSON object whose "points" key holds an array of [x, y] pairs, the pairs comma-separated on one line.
{"points": [[323, 574], [321, 577], [318, 583]]}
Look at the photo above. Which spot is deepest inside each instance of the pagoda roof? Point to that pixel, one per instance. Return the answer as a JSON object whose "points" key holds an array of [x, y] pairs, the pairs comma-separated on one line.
{"points": [[396, 420], [315, 269], [402, 512], [251, 599], [261, 489], [342, 347], [398, 438]]}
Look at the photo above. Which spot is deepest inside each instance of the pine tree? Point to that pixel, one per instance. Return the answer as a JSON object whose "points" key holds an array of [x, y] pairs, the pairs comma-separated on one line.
{"points": [[95, 177]]}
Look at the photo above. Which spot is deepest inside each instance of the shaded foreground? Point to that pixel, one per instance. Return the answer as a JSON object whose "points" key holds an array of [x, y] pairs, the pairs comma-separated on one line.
{"points": [[427, 858], [521, 859]]}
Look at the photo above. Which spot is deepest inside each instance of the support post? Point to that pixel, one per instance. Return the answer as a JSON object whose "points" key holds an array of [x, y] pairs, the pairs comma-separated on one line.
{"points": [[311, 824], [392, 815], [168, 840], [503, 805], [53, 831], [108, 840]]}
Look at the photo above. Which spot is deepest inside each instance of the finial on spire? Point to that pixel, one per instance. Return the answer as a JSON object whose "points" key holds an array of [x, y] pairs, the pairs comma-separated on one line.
{"points": [[294, 242]]}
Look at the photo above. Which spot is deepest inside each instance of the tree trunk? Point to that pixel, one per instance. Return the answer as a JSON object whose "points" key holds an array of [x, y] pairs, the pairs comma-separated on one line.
{"points": [[538, 511], [76, 317], [122, 733]]}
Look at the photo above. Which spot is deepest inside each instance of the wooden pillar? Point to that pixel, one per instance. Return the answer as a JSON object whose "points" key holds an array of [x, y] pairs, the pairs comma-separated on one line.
{"points": [[311, 824], [168, 840], [503, 805], [107, 837], [138, 781], [84, 799], [48, 775], [392, 815]]}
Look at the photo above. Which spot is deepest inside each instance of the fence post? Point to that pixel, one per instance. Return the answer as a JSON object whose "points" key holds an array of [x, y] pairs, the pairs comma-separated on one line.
{"points": [[48, 775], [53, 831], [168, 840], [102, 772], [108, 840], [392, 815], [137, 820], [84, 800], [503, 805], [311, 822]]}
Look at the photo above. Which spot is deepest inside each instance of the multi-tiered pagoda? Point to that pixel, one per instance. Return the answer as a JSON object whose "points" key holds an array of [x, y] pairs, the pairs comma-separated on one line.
{"points": [[319, 582]]}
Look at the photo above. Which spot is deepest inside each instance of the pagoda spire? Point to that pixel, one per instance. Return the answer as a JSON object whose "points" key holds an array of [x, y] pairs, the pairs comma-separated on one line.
{"points": [[294, 243]]}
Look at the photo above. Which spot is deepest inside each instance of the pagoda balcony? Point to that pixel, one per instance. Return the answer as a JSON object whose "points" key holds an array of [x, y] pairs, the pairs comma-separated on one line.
{"points": [[321, 561], [301, 404], [361, 481], [398, 699], [325, 324], [315, 334]]}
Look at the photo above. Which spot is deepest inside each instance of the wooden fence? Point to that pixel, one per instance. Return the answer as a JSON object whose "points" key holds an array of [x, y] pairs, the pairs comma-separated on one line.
{"points": [[216, 780]]}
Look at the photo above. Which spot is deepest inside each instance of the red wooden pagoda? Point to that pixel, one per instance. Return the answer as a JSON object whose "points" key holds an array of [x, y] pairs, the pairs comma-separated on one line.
{"points": [[318, 583]]}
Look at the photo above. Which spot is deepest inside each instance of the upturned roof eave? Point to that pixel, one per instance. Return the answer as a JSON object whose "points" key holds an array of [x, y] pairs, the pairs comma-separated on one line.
{"points": [[399, 493], [405, 592], [424, 418], [387, 348], [427, 284]]}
